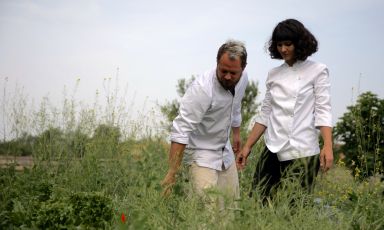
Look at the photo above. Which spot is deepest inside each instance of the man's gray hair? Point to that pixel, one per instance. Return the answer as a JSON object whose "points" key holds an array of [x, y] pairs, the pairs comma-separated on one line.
{"points": [[235, 49]]}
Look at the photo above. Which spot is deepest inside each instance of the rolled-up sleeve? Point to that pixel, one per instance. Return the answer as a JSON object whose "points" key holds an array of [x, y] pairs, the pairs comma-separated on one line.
{"points": [[323, 113], [236, 116], [262, 117], [193, 107]]}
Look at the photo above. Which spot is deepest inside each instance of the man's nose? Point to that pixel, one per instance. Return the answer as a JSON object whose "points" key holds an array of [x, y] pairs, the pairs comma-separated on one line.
{"points": [[227, 76]]}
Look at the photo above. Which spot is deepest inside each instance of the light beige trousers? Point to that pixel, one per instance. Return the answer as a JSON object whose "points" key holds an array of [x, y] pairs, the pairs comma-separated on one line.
{"points": [[217, 187]]}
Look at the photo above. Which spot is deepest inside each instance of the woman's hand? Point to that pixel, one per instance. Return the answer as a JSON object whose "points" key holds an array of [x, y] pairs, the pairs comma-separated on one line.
{"points": [[241, 157]]}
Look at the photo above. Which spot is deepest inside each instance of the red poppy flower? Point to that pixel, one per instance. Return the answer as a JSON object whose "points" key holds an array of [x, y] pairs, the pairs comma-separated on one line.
{"points": [[123, 218]]}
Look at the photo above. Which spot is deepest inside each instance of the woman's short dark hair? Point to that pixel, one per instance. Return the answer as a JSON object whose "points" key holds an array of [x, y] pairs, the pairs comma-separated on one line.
{"points": [[293, 30]]}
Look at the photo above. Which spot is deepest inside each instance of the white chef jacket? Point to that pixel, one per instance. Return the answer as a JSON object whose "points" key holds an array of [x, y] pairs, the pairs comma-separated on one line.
{"points": [[207, 113], [296, 103]]}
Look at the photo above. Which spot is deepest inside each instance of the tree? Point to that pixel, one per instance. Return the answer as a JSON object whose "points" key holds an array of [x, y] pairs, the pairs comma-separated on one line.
{"points": [[105, 141], [21, 146], [50, 144], [77, 142], [248, 105], [360, 131], [171, 109]]}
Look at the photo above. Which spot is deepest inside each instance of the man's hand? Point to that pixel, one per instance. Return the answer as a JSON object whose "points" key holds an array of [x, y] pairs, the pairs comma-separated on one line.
{"points": [[326, 159], [167, 184], [241, 158], [175, 156], [236, 145]]}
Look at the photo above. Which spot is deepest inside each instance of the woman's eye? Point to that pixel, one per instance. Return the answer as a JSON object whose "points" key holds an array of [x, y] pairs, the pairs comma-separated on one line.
{"points": [[288, 43]]}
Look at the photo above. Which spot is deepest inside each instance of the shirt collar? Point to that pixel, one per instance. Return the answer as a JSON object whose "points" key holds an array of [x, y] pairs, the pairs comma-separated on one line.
{"points": [[295, 65]]}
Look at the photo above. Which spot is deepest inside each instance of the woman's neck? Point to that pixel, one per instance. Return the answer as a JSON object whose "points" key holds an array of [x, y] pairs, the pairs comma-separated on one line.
{"points": [[291, 62]]}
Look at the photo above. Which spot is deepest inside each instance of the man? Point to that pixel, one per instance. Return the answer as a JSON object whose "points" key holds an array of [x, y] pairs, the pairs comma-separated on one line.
{"points": [[209, 109]]}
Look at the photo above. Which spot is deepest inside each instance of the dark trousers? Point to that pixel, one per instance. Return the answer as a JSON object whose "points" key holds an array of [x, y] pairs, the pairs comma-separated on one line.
{"points": [[270, 172]]}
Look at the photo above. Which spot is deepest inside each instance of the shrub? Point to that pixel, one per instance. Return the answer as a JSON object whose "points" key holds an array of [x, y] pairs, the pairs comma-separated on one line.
{"points": [[91, 209]]}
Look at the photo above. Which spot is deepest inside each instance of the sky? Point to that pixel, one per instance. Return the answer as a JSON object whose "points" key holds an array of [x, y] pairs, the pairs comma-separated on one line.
{"points": [[146, 46]]}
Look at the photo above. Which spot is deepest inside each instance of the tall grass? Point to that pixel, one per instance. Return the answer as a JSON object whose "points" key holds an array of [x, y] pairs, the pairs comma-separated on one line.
{"points": [[368, 132], [94, 164]]}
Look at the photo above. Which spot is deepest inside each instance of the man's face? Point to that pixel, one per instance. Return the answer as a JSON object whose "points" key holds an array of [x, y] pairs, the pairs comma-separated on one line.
{"points": [[229, 71]]}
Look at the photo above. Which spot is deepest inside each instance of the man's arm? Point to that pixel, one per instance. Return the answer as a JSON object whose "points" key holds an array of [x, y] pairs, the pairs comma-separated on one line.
{"points": [[174, 161], [326, 154], [193, 107], [257, 130], [236, 146]]}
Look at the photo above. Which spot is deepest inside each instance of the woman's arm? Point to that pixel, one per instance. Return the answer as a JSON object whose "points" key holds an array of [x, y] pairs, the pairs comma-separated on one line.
{"points": [[257, 130], [326, 153]]}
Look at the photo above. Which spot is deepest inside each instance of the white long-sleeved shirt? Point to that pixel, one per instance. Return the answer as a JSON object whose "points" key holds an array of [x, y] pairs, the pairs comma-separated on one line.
{"points": [[297, 102], [207, 113]]}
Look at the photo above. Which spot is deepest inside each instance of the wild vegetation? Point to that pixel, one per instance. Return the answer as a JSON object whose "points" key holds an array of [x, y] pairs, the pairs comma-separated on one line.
{"points": [[94, 167]]}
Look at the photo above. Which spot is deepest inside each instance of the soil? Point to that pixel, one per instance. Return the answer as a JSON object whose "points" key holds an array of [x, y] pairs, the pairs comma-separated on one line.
{"points": [[20, 162]]}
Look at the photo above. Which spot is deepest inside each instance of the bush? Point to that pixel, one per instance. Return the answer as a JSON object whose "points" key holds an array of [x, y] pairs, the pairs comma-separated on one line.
{"points": [[91, 209], [80, 209], [361, 131], [55, 215]]}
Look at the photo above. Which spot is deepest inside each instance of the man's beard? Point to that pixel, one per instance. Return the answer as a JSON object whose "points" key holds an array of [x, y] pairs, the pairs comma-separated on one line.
{"points": [[228, 85]]}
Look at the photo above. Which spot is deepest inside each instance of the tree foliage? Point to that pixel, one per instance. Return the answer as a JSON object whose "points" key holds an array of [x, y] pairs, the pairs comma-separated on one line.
{"points": [[171, 109], [54, 144], [50, 144], [22, 146], [361, 131], [105, 141], [249, 106]]}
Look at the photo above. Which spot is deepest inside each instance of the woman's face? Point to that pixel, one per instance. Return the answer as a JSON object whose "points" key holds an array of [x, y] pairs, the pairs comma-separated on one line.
{"points": [[287, 51]]}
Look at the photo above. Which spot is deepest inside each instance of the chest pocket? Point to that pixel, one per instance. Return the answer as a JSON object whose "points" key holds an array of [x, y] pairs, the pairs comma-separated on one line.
{"points": [[219, 104]]}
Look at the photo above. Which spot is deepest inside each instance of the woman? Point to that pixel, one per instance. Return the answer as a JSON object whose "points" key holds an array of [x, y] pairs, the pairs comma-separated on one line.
{"points": [[295, 109]]}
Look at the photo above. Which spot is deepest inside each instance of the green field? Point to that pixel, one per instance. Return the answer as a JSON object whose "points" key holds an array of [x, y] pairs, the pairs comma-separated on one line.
{"points": [[94, 192], [96, 168]]}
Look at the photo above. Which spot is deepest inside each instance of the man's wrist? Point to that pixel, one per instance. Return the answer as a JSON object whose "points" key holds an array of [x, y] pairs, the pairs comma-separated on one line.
{"points": [[172, 172]]}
